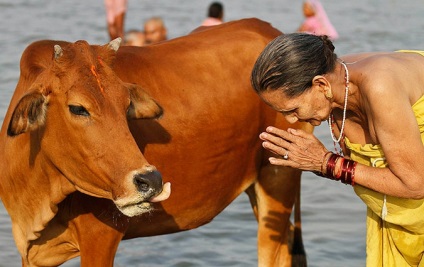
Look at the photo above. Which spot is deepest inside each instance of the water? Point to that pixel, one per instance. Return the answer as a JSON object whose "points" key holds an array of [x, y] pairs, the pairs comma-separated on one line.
{"points": [[333, 217]]}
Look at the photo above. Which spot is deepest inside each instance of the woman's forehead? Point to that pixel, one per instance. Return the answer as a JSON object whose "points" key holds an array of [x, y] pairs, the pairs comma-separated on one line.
{"points": [[281, 102]]}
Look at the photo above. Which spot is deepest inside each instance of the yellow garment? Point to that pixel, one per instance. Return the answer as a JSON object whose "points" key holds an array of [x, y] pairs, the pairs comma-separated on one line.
{"points": [[412, 51], [398, 240]]}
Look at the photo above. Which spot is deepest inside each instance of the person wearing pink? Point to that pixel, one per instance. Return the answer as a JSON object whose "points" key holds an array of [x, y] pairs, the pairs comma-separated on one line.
{"points": [[215, 15], [115, 16], [316, 20]]}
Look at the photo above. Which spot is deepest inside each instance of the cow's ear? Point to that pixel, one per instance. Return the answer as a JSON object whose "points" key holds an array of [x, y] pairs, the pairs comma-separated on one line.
{"points": [[143, 106], [29, 114]]}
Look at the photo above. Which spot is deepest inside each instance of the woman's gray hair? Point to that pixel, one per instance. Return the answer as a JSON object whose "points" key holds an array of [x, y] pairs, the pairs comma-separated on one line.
{"points": [[291, 61]]}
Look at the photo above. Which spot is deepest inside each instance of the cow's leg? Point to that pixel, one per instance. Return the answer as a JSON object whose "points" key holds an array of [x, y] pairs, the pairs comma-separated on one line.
{"points": [[298, 250], [98, 244], [272, 198], [100, 228]]}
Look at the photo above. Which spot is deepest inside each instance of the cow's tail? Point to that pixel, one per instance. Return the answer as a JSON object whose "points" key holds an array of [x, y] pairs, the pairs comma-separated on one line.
{"points": [[298, 250]]}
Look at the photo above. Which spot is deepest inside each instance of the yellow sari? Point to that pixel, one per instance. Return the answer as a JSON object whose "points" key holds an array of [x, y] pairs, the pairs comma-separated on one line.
{"points": [[395, 226]]}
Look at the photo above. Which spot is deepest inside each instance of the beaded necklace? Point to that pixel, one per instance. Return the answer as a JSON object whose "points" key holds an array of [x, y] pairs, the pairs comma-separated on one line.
{"points": [[331, 119]]}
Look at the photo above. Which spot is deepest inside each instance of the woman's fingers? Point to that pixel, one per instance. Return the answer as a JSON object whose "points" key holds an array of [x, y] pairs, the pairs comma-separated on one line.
{"points": [[280, 162], [302, 135], [274, 148], [281, 133], [273, 139]]}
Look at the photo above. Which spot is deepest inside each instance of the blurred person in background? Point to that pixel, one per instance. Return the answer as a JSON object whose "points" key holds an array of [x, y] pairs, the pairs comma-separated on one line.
{"points": [[115, 17], [316, 20], [155, 30], [135, 38], [215, 14]]}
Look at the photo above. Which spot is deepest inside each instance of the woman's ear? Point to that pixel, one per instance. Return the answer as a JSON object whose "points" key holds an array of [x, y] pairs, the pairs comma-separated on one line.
{"points": [[328, 93], [322, 83]]}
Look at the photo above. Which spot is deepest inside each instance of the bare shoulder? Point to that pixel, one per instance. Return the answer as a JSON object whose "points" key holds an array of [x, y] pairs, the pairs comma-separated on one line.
{"points": [[388, 84], [354, 58], [386, 75], [386, 60]]}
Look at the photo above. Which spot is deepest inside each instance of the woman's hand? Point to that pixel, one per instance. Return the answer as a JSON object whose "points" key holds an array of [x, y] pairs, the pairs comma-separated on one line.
{"points": [[297, 148]]}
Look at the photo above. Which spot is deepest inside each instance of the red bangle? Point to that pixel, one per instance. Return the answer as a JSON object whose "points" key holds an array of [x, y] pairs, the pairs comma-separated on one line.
{"points": [[331, 164], [346, 175], [340, 172], [348, 172], [353, 173]]}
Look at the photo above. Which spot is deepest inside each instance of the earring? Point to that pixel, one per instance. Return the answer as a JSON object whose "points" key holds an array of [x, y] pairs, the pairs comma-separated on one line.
{"points": [[328, 93]]}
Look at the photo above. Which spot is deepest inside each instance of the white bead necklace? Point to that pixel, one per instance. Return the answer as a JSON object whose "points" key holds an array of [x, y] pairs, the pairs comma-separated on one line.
{"points": [[330, 120]]}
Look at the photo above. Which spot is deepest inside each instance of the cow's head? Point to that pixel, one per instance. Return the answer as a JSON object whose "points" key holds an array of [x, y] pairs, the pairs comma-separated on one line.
{"points": [[76, 111]]}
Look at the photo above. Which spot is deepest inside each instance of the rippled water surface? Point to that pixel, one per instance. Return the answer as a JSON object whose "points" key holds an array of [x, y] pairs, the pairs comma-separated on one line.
{"points": [[333, 217]]}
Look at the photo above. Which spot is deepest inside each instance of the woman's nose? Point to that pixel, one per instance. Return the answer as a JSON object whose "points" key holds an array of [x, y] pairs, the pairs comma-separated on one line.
{"points": [[291, 118]]}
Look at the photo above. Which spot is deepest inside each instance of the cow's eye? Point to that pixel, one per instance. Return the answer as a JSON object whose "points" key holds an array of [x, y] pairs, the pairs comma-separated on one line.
{"points": [[79, 110]]}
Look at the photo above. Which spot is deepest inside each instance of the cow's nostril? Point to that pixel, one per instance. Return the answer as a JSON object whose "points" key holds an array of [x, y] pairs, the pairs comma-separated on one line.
{"points": [[151, 181], [141, 183]]}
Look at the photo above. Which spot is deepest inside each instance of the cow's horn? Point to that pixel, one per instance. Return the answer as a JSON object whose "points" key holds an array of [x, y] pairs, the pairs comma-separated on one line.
{"points": [[115, 43], [58, 52]]}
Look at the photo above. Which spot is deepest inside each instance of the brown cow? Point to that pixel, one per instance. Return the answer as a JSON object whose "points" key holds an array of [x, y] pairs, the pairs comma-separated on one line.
{"points": [[64, 130], [206, 145]]}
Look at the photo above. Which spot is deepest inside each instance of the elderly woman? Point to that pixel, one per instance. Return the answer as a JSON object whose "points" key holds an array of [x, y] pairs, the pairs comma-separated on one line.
{"points": [[374, 105]]}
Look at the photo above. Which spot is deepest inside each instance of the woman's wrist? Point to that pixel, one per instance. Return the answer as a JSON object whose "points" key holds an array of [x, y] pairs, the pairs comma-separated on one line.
{"points": [[336, 167], [324, 161]]}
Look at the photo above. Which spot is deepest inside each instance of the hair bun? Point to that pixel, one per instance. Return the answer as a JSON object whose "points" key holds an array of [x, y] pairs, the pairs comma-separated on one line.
{"points": [[327, 42]]}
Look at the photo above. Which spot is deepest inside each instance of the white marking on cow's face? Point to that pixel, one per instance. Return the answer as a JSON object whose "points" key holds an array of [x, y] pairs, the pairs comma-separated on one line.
{"points": [[138, 207], [134, 208]]}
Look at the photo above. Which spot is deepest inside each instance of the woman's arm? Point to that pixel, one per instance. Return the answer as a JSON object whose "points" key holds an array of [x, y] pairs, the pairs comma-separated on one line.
{"points": [[387, 102]]}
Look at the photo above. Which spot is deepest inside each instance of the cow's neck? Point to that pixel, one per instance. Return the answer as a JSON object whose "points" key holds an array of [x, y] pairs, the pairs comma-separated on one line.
{"points": [[44, 188]]}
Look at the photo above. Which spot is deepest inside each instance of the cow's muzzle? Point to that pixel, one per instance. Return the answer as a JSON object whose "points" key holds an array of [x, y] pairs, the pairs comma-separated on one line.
{"points": [[149, 187]]}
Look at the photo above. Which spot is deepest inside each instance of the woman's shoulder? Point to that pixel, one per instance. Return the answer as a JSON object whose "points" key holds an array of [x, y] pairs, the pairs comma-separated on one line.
{"points": [[396, 59], [385, 74], [394, 67], [358, 57], [369, 67], [380, 65]]}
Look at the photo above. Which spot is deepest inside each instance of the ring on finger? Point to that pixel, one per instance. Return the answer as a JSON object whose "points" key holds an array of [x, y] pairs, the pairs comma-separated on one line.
{"points": [[286, 156]]}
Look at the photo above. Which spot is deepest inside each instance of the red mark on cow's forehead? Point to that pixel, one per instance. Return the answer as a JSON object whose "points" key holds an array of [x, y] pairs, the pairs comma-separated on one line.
{"points": [[94, 71], [100, 61]]}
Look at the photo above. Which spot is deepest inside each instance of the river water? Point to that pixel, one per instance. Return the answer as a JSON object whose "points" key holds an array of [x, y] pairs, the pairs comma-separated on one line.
{"points": [[333, 217]]}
